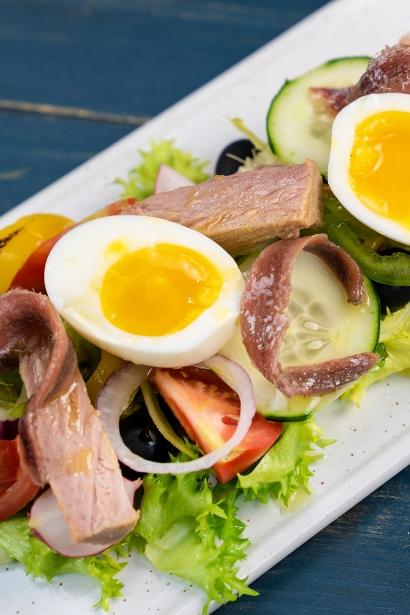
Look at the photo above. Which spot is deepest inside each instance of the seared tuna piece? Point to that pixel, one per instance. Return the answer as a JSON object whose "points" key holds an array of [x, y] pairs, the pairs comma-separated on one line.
{"points": [[239, 211]]}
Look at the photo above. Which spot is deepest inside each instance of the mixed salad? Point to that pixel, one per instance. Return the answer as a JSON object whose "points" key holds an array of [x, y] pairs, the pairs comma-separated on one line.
{"points": [[188, 524]]}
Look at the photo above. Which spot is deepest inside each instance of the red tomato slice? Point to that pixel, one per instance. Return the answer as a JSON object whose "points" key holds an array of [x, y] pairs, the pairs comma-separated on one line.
{"points": [[9, 463], [16, 486], [208, 409], [31, 274]]}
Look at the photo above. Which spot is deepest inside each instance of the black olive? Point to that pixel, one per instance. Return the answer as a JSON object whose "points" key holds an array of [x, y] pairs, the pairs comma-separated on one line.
{"points": [[143, 438], [392, 297], [240, 149]]}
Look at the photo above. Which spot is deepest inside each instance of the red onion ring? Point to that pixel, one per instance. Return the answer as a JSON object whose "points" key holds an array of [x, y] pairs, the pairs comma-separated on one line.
{"points": [[48, 524], [116, 392]]}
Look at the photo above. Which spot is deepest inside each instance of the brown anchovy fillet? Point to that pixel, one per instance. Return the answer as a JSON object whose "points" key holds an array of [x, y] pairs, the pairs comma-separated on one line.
{"points": [[264, 322], [62, 441], [239, 211], [388, 72]]}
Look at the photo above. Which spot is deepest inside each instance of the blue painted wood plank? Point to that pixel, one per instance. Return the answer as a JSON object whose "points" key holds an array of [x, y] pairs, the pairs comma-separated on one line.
{"points": [[129, 57], [37, 150], [136, 57]]}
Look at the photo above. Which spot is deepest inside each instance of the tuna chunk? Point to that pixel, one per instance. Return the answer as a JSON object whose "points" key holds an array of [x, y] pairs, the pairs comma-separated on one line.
{"points": [[62, 441], [242, 210]]}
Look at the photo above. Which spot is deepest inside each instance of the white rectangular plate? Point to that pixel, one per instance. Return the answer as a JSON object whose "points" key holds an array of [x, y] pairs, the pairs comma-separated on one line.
{"points": [[364, 456]]}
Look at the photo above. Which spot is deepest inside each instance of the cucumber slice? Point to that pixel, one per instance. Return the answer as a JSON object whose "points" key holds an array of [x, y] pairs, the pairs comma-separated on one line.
{"points": [[324, 326], [270, 402], [295, 130]]}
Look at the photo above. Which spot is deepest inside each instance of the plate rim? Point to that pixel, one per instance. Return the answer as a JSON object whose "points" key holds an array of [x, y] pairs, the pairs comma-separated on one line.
{"points": [[389, 463]]}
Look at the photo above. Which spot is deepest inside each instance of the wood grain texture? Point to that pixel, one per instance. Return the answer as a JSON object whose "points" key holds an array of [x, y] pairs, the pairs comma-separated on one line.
{"points": [[74, 112], [137, 57], [358, 565], [37, 150], [129, 57], [134, 57]]}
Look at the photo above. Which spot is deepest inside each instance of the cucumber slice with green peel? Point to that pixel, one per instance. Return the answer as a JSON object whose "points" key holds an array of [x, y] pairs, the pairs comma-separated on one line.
{"points": [[295, 129], [270, 402], [324, 326]]}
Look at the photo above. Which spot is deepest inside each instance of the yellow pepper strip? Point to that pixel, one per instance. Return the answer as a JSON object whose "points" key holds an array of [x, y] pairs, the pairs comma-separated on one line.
{"points": [[20, 239], [107, 365], [160, 420]]}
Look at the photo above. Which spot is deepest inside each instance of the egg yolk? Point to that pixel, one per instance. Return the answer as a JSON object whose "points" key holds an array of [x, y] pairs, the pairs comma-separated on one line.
{"points": [[159, 290], [379, 170]]}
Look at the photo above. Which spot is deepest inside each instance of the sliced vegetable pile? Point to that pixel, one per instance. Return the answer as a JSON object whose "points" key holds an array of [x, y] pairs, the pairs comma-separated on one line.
{"points": [[204, 429]]}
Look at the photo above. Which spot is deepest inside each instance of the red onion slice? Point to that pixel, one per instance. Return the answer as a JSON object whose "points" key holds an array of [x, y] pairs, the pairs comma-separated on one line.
{"points": [[116, 392], [168, 179], [48, 524]]}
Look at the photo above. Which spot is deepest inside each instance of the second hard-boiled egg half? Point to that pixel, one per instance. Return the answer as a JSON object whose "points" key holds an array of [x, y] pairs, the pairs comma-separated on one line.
{"points": [[147, 290], [369, 166]]}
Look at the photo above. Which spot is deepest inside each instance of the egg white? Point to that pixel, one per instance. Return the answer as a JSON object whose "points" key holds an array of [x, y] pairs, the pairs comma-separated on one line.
{"points": [[343, 136], [78, 262]]}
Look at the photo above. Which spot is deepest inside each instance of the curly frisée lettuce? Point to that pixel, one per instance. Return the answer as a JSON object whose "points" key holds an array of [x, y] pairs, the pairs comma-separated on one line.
{"points": [[191, 530], [18, 543], [395, 336], [262, 154], [140, 181], [186, 528], [285, 467]]}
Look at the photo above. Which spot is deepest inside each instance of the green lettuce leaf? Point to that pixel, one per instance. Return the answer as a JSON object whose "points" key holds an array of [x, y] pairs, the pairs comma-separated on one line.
{"points": [[186, 527], [12, 396], [262, 154], [285, 467], [192, 531], [395, 337], [88, 355], [19, 544], [140, 181]]}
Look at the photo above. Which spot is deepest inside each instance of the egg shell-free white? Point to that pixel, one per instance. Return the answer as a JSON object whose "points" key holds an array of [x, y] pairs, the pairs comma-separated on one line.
{"points": [[77, 264]]}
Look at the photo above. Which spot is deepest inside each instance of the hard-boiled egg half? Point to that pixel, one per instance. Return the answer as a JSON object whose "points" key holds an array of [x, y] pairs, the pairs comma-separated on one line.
{"points": [[369, 166], [147, 290]]}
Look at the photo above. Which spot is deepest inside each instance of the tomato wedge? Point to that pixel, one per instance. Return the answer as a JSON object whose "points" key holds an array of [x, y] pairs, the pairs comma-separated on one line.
{"points": [[31, 275], [16, 486], [208, 410]]}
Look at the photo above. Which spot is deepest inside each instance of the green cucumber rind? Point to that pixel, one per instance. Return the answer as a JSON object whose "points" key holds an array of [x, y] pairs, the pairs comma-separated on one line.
{"points": [[274, 418], [282, 149], [287, 416]]}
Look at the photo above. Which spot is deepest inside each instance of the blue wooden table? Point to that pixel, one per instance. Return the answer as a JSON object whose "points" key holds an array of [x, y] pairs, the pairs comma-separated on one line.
{"points": [[107, 58]]}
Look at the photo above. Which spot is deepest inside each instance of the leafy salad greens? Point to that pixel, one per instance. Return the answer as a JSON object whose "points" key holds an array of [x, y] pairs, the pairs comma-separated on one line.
{"points": [[188, 528]]}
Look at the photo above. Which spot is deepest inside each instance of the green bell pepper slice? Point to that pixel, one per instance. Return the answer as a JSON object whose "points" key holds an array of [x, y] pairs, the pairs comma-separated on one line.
{"points": [[393, 270]]}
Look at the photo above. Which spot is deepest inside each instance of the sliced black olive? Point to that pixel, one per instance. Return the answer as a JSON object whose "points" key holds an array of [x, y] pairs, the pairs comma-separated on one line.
{"points": [[233, 156], [392, 297], [143, 438]]}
